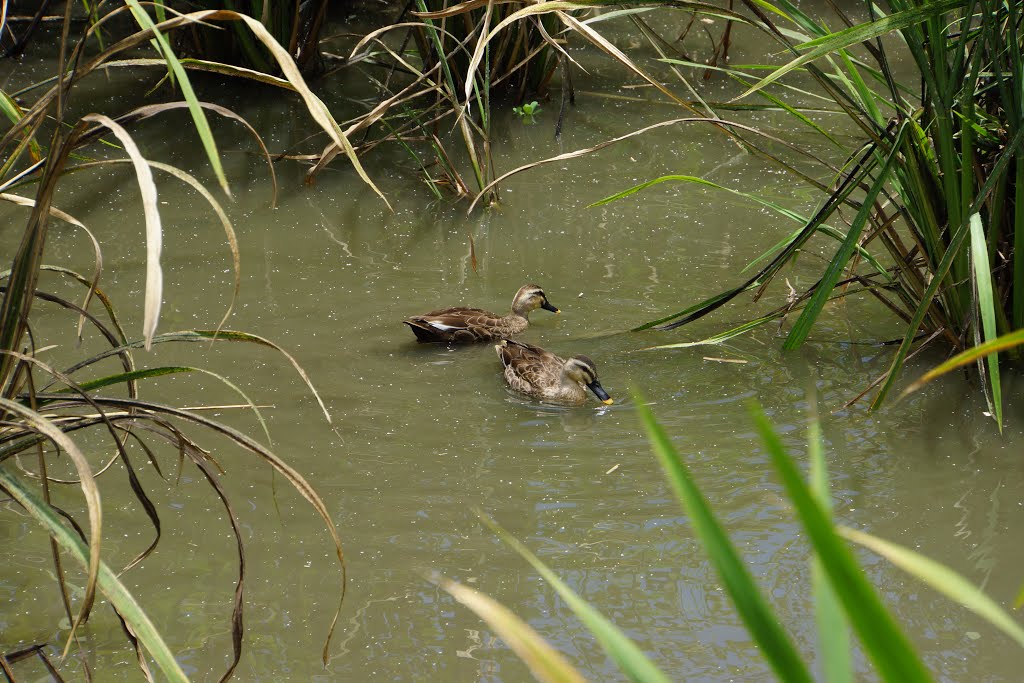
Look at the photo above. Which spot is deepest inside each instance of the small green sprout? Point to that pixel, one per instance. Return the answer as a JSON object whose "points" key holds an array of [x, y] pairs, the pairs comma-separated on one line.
{"points": [[527, 111]]}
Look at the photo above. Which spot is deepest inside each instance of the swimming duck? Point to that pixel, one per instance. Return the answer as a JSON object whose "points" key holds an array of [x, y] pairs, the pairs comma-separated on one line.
{"points": [[467, 325], [541, 374]]}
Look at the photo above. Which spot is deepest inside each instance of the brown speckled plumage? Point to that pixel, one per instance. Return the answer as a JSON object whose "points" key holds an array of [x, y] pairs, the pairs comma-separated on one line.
{"points": [[467, 325], [541, 374]]}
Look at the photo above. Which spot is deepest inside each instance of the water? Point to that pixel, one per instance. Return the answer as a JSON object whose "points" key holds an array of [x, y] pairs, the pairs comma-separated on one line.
{"points": [[424, 436]]}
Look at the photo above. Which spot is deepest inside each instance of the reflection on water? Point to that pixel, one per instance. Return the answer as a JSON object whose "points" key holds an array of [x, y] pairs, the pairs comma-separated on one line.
{"points": [[426, 434]]}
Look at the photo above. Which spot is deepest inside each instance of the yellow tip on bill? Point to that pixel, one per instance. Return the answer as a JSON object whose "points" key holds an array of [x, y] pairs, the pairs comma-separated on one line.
{"points": [[608, 401]]}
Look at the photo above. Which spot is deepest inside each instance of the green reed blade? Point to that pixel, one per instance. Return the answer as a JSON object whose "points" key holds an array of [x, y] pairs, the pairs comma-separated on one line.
{"points": [[833, 628], [940, 271], [1007, 341], [835, 268], [623, 651], [884, 641], [854, 35], [108, 582], [941, 578], [198, 116], [987, 311], [757, 615]]}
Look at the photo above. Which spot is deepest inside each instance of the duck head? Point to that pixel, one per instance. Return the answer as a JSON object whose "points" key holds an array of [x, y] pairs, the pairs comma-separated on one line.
{"points": [[530, 298], [581, 369]]}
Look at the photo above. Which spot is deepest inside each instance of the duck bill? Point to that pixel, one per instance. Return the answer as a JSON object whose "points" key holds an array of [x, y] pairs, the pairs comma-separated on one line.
{"points": [[548, 307], [599, 391]]}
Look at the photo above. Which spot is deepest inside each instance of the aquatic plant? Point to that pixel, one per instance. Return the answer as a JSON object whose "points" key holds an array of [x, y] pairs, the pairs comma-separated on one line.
{"points": [[297, 27], [49, 410], [932, 183], [457, 58], [527, 111], [845, 601]]}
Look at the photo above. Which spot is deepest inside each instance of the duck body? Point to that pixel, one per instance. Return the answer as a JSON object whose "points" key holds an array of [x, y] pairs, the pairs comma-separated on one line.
{"points": [[541, 374], [461, 325]]}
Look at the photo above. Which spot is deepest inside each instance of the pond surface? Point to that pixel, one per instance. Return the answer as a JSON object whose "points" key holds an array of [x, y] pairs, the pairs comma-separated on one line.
{"points": [[423, 436]]}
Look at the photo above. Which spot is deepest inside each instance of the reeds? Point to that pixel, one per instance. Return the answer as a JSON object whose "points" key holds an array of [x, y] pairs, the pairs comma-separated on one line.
{"points": [[45, 410], [845, 602], [931, 195]]}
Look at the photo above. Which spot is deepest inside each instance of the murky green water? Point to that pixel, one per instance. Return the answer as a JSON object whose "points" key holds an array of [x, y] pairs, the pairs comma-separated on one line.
{"points": [[423, 435]]}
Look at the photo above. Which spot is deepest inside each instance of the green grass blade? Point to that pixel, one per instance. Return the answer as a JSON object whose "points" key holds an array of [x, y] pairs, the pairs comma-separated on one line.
{"points": [[623, 651], [884, 642], [987, 310], [943, 579], [108, 583], [722, 336], [122, 377], [942, 269], [1018, 246], [194, 108], [712, 301], [758, 616], [802, 326], [819, 47], [833, 629], [545, 662]]}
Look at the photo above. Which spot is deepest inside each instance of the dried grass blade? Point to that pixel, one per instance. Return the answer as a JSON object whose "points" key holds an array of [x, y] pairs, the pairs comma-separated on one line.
{"points": [[152, 110], [237, 627], [208, 66], [1007, 341], [297, 481], [317, 109], [590, 150], [225, 222], [154, 233], [545, 662], [97, 252]]}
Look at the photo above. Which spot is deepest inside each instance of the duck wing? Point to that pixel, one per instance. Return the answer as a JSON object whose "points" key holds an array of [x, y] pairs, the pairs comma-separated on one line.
{"points": [[452, 324], [529, 363]]}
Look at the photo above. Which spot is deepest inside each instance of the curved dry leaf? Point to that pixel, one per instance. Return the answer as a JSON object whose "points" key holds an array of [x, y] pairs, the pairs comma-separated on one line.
{"points": [[545, 662], [97, 252], [154, 109], [317, 109], [154, 233]]}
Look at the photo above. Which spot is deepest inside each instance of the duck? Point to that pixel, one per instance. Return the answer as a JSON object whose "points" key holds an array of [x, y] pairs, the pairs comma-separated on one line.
{"points": [[468, 325], [541, 374]]}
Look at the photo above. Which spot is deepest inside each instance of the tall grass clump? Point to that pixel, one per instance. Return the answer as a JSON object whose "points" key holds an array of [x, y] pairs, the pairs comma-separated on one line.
{"points": [[51, 409], [451, 65], [930, 194], [297, 27], [845, 602], [446, 61]]}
